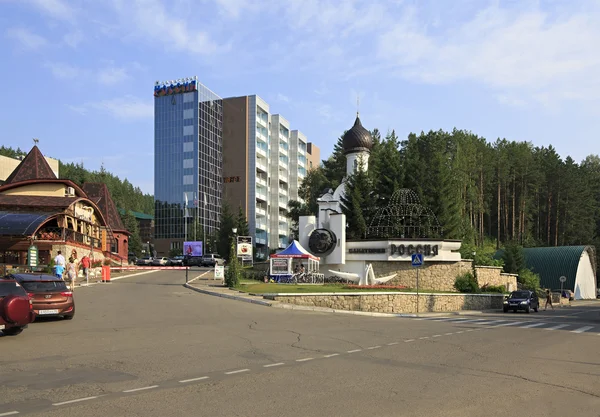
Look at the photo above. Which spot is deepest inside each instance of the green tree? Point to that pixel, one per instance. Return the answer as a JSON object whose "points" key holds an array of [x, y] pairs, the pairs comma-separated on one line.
{"points": [[234, 269], [242, 223], [514, 261], [334, 167], [225, 234], [131, 224]]}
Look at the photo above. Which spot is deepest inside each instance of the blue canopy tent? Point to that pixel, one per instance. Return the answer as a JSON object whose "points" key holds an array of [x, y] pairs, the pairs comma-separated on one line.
{"points": [[282, 263]]}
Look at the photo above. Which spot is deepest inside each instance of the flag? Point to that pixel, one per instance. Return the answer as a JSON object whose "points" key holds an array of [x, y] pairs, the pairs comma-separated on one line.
{"points": [[205, 200], [195, 200], [186, 199]]}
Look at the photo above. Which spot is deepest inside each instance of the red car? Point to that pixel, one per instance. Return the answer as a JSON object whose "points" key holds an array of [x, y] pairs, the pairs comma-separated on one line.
{"points": [[16, 309], [49, 295]]}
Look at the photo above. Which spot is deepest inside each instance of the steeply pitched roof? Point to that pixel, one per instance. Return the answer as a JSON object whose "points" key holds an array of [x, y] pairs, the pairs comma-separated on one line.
{"points": [[33, 167], [36, 201], [98, 193]]}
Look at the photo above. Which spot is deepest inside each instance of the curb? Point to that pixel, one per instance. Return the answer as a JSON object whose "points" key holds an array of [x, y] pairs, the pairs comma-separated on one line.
{"points": [[231, 297], [330, 310]]}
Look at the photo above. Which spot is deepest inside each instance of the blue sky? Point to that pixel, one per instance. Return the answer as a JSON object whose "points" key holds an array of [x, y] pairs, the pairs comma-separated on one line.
{"points": [[79, 74]]}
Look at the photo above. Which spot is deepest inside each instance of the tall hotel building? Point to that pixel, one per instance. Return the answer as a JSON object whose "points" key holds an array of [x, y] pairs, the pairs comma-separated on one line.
{"points": [[264, 163], [188, 161]]}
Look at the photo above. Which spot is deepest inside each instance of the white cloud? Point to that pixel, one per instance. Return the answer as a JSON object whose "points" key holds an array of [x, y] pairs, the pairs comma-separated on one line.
{"points": [[73, 39], [127, 108], [65, 71], [527, 55], [112, 75], [56, 8], [26, 38], [150, 20], [282, 97]]}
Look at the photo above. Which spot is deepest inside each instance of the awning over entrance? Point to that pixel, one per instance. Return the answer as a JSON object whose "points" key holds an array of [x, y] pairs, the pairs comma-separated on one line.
{"points": [[21, 224]]}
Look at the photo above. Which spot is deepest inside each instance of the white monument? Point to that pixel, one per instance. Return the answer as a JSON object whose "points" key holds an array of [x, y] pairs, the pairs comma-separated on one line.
{"points": [[325, 235]]}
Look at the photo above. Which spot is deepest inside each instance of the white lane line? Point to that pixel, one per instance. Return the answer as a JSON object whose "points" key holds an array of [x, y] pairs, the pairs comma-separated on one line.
{"points": [[270, 365], [304, 359], [10, 413], [437, 335], [448, 334], [424, 337], [558, 326], [409, 340], [510, 323], [355, 350], [460, 331], [472, 320], [193, 379], [331, 355], [469, 330], [236, 372], [392, 343], [582, 329], [485, 323], [76, 401], [373, 347], [529, 326], [141, 389]]}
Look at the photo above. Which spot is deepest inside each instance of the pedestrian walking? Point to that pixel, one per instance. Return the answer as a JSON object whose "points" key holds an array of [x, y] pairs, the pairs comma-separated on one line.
{"points": [[71, 273], [85, 265], [59, 270], [60, 260], [548, 300]]}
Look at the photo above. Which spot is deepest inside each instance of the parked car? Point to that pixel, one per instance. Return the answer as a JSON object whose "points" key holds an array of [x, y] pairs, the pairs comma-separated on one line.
{"points": [[212, 259], [175, 261], [160, 261], [49, 295], [16, 309], [192, 260], [522, 300], [145, 261], [132, 258]]}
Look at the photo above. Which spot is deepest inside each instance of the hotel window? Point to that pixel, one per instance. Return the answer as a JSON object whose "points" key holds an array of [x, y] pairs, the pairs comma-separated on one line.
{"points": [[188, 97], [188, 114], [188, 130], [188, 146], [188, 179], [188, 163]]}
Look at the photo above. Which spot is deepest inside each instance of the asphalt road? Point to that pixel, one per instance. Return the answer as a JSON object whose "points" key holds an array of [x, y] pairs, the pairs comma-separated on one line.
{"points": [[146, 346]]}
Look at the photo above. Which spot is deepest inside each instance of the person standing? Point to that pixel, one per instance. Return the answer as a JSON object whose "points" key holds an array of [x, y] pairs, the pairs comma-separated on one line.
{"points": [[60, 260], [85, 265], [548, 300], [71, 273]]}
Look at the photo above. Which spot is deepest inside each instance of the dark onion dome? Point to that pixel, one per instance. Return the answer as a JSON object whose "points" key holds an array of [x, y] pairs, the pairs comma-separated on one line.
{"points": [[357, 139]]}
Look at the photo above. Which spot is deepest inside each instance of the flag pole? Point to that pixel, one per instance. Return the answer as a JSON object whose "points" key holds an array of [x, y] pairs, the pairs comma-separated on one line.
{"points": [[204, 223], [195, 215], [185, 217]]}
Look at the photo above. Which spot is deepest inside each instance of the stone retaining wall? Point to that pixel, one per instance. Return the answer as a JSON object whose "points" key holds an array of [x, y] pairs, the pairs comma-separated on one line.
{"points": [[394, 302], [433, 276], [493, 275]]}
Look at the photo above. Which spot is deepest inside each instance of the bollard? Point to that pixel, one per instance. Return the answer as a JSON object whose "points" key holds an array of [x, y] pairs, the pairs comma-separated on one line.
{"points": [[186, 274], [105, 273]]}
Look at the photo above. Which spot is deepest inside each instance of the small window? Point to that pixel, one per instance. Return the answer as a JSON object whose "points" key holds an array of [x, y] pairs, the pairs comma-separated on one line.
{"points": [[188, 146], [188, 130], [188, 97], [188, 114], [188, 179], [188, 163]]}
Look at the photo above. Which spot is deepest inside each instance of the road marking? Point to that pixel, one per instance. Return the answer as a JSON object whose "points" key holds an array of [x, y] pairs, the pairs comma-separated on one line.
{"points": [[199, 276], [529, 326], [510, 323], [448, 334], [304, 359], [558, 326], [193, 379], [236, 372], [472, 320], [141, 389], [331, 355], [459, 332], [582, 329], [373, 347], [10, 413], [491, 322], [273, 364], [355, 350], [469, 330], [424, 337], [437, 335], [409, 340], [76, 401], [393, 343]]}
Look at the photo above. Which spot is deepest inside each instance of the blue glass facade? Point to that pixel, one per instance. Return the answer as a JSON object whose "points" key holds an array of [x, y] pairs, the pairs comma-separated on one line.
{"points": [[187, 164]]}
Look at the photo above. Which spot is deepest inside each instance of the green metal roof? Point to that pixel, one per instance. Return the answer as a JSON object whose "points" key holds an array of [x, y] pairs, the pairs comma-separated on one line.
{"points": [[553, 262], [138, 215]]}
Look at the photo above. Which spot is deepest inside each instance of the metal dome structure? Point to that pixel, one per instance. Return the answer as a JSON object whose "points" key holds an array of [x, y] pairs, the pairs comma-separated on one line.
{"points": [[404, 218]]}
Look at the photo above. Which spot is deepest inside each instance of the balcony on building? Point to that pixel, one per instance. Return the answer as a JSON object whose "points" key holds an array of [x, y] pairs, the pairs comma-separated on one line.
{"points": [[262, 149], [301, 148], [283, 191], [284, 134], [283, 176], [261, 225], [261, 237], [262, 134], [261, 180], [261, 193], [283, 202], [283, 243], [261, 164], [283, 162], [261, 211]]}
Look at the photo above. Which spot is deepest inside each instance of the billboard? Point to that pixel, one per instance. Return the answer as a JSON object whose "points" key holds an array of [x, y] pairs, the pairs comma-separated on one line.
{"points": [[244, 247], [182, 85], [192, 248]]}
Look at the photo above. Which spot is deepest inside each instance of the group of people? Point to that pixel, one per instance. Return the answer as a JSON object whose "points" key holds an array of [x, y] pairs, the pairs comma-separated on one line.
{"points": [[61, 265]]}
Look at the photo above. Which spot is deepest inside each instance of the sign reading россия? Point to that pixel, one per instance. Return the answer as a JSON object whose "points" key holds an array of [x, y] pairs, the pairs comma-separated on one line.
{"points": [[427, 250], [181, 85]]}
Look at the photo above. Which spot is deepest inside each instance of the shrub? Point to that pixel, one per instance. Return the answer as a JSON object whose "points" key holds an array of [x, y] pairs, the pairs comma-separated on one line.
{"points": [[494, 289], [528, 280], [466, 283]]}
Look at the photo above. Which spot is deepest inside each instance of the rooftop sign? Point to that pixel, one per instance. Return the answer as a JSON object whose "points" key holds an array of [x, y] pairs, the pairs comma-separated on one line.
{"points": [[181, 85]]}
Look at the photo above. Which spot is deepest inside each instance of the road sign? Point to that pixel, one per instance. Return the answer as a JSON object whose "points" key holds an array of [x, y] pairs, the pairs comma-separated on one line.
{"points": [[219, 272], [563, 279], [32, 256], [417, 259]]}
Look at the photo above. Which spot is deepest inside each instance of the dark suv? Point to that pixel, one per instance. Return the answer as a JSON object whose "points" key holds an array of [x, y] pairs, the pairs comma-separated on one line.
{"points": [[16, 310], [522, 300]]}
